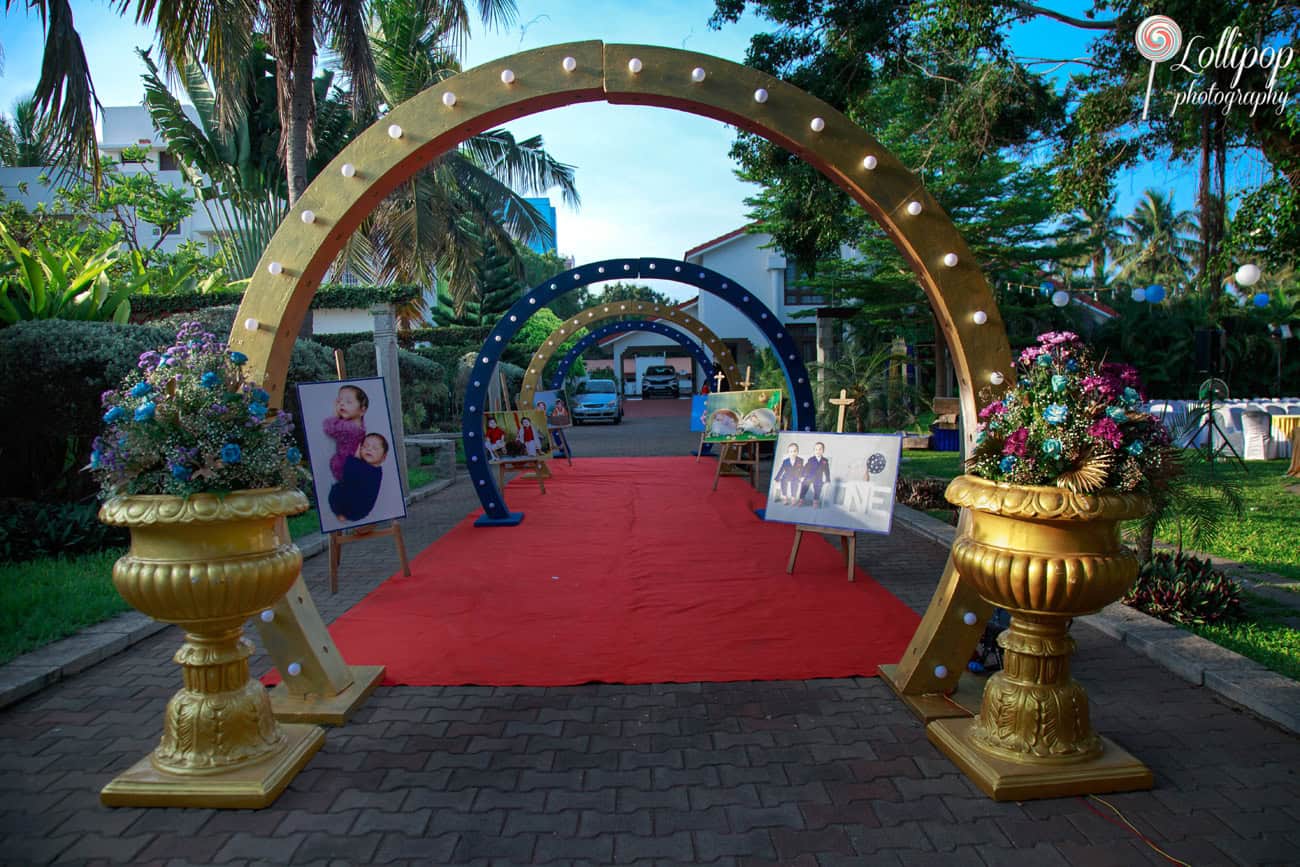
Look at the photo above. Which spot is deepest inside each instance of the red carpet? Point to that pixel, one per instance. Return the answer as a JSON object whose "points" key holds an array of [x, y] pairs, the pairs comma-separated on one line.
{"points": [[625, 571]]}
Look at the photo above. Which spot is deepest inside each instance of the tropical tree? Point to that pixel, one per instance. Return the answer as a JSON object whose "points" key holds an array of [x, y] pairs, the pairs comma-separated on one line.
{"points": [[1098, 230], [26, 138], [1158, 242]]}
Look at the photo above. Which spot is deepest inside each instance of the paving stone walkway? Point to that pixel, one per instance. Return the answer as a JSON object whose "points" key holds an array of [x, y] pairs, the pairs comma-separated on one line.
{"points": [[816, 772]]}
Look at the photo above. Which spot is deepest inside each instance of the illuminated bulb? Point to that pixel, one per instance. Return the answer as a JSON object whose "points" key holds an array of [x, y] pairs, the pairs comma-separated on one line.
{"points": [[507, 76], [980, 317], [760, 95], [295, 669], [309, 217], [251, 324], [275, 267], [268, 615], [870, 163], [449, 99], [914, 208], [634, 65], [950, 259], [996, 378], [348, 170], [969, 618], [941, 671], [569, 64], [818, 124], [1060, 298], [698, 74], [394, 131]]}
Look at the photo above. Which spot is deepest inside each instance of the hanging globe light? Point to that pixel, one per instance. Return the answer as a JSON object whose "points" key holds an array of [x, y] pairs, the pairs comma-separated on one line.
{"points": [[1155, 293], [1261, 299], [1060, 298], [1138, 294], [1248, 275]]}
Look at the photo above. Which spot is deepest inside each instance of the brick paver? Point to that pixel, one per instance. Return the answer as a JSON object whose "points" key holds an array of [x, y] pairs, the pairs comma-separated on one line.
{"points": [[816, 772]]}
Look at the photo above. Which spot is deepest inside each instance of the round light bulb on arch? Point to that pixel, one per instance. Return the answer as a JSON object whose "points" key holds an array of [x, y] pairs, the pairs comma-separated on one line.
{"points": [[817, 124], [449, 99], [251, 324], [275, 268], [348, 170], [870, 162], [969, 618], [309, 217], [760, 96], [941, 671], [569, 64], [698, 74], [950, 260], [997, 378], [507, 76], [394, 131], [914, 208], [634, 65], [979, 317]]}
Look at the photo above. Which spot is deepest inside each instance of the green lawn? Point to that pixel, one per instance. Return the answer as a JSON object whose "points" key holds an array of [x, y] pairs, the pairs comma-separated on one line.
{"points": [[918, 464], [1265, 637], [45, 600]]}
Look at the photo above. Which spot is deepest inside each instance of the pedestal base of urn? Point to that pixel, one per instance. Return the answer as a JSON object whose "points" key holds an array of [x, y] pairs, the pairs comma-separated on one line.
{"points": [[1115, 770], [249, 787]]}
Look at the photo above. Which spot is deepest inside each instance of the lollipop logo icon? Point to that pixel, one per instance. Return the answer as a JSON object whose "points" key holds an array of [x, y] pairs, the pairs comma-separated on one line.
{"points": [[1158, 39]]}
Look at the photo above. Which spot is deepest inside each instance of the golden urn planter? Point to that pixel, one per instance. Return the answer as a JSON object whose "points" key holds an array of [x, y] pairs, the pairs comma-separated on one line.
{"points": [[207, 563], [1046, 555]]}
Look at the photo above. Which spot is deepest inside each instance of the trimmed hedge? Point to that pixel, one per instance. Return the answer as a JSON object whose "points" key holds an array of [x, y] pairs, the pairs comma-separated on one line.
{"points": [[328, 296], [29, 530], [424, 383]]}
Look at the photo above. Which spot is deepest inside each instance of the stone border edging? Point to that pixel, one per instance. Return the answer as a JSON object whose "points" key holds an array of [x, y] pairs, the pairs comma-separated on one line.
{"points": [[1197, 660], [32, 672]]}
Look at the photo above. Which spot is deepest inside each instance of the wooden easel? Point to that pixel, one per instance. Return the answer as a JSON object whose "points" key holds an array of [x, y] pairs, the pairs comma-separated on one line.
{"points": [[848, 538], [737, 458], [339, 538]]}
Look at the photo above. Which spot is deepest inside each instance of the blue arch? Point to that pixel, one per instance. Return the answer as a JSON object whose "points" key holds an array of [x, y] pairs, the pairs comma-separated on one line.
{"points": [[706, 280], [664, 328]]}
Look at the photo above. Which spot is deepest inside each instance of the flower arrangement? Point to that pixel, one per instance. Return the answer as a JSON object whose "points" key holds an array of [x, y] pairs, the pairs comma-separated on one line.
{"points": [[1072, 422], [187, 421]]}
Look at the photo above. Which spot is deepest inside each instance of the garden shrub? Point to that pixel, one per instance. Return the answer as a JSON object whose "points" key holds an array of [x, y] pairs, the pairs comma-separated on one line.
{"points": [[29, 530], [424, 383], [1179, 588], [52, 373], [922, 494]]}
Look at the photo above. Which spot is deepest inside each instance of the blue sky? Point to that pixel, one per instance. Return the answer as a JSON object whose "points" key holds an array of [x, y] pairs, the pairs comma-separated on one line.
{"points": [[653, 182]]}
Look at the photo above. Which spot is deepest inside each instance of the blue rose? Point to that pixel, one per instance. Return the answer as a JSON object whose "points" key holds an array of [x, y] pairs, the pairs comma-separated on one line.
{"points": [[1023, 382], [260, 396], [293, 455], [1055, 413], [140, 389], [1052, 448], [230, 453], [238, 358], [1060, 382], [1131, 397], [113, 414], [1135, 448], [145, 411], [1117, 414], [979, 440], [96, 460], [1044, 360], [181, 472], [257, 410], [1071, 365], [211, 379], [1007, 464]]}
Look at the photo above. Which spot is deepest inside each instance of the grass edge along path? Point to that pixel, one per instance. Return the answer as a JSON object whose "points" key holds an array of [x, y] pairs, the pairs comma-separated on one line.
{"points": [[49, 598]]}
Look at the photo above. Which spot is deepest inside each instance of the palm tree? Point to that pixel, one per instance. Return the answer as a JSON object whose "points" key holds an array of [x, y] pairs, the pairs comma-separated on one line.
{"points": [[27, 139], [218, 34], [1098, 228], [1158, 242]]}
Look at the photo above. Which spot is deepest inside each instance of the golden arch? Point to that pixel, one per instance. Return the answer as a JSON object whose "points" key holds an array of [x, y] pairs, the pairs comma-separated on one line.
{"points": [[619, 310], [419, 130]]}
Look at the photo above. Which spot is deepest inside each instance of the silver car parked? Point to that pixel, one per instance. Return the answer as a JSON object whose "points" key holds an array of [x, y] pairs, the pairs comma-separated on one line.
{"points": [[597, 400]]}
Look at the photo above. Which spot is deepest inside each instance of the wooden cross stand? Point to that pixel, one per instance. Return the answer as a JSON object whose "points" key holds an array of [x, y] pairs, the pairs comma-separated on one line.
{"points": [[339, 538], [848, 538], [737, 458], [700, 450]]}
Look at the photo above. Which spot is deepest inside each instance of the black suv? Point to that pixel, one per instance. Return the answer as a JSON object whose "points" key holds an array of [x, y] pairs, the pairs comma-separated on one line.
{"points": [[659, 379]]}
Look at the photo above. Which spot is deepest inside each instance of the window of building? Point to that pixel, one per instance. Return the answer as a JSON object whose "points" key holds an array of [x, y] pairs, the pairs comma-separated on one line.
{"points": [[167, 162], [796, 294], [804, 337]]}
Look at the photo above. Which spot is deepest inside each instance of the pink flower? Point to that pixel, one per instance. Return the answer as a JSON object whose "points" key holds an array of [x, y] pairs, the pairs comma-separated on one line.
{"points": [[1105, 387], [1107, 431], [1058, 338], [1028, 355], [1015, 444], [995, 408]]}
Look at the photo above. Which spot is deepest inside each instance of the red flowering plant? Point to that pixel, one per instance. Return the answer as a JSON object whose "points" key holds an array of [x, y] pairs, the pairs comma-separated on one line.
{"points": [[188, 421], [1072, 422]]}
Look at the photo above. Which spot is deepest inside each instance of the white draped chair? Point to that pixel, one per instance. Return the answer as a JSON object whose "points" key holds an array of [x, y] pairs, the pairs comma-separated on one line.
{"points": [[1257, 435]]}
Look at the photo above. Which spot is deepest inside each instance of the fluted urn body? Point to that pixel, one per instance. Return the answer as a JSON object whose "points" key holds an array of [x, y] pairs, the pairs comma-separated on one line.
{"points": [[1046, 555], [207, 563]]}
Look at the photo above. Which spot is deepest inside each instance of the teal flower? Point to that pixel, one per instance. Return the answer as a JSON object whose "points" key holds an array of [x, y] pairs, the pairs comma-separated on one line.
{"points": [[113, 414], [1008, 463], [180, 472], [1053, 447], [260, 396], [1135, 448], [1117, 414], [211, 379], [257, 410], [1055, 413], [230, 453], [1044, 360], [239, 358], [140, 389], [979, 440], [96, 460], [145, 411], [293, 455], [1060, 382], [1131, 397]]}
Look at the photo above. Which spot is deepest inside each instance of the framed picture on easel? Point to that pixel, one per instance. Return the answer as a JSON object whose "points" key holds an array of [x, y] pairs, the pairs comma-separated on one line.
{"points": [[354, 469], [834, 480]]}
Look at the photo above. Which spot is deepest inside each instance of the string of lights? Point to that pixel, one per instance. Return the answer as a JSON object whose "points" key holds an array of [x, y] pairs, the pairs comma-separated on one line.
{"points": [[1247, 275]]}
